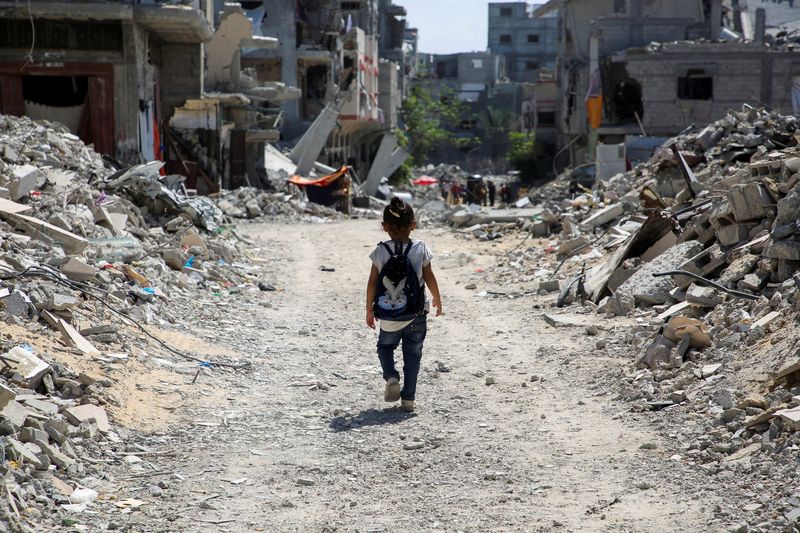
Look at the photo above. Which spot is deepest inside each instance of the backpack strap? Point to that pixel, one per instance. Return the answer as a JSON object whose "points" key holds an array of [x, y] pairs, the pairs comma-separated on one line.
{"points": [[388, 249], [408, 250]]}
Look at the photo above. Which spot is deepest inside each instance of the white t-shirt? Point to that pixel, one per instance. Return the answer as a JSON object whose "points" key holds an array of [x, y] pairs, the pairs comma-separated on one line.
{"points": [[420, 256]]}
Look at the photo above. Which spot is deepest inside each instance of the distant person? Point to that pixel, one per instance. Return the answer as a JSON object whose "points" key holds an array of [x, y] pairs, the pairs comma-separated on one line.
{"points": [[492, 191], [401, 269], [504, 194], [456, 191]]}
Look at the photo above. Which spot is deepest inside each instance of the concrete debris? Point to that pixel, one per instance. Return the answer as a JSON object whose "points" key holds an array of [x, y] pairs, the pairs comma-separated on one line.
{"points": [[88, 253]]}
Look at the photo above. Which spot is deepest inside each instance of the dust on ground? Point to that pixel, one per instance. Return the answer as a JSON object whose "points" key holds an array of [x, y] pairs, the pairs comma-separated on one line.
{"points": [[303, 442]]}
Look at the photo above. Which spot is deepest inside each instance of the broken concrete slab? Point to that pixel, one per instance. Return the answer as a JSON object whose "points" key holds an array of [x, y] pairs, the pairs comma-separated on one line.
{"points": [[22, 453], [605, 215], [71, 336], [649, 290], [7, 395], [750, 201], [31, 368], [88, 413], [15, 413], [738, 269], [703, 296], [23, 181], [47, 408], [766, 319], [7, 206], [71, 243], [77, 270]]}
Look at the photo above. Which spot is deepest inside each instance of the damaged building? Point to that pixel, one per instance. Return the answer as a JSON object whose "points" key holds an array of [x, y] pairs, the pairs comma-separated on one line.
{"points": [[329, 51], [638, 68], [109, 71]]}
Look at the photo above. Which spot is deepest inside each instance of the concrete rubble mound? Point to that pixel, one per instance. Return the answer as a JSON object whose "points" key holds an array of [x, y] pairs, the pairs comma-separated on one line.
{"points": [[89, 255], [698, 251]]}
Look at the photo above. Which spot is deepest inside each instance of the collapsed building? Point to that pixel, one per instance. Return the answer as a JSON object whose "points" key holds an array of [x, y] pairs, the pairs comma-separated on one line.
{"points": [[632, 69], [208, 86], [110, 71]]}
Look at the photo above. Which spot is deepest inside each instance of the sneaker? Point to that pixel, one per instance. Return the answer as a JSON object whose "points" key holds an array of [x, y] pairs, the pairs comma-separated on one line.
{"points": [[392, 391], [407, 406]]}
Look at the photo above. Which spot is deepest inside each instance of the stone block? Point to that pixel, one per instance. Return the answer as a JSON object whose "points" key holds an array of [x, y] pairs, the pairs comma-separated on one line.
{"points": [[733, 234], [56, 456], [750, 201], [23, 181], [27, 434], [87, 413], [738, 269], [60, 302], [79, 271], [605, 215], [174, 258], [705, 264], [751, 283], [571, 245], [31, 368], [15, 304], [7, 395], [550, 285], [14, 413], [788, 249], [22, 453], [703, 296], [48, 408]]}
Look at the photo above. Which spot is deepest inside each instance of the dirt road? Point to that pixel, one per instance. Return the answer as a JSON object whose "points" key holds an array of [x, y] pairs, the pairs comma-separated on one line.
{"points": [[304, 442]]}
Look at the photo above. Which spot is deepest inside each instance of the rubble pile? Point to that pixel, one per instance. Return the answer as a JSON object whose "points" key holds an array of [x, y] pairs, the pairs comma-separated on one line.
{"points": [[701, 245], [90, 254], [54, 443], [249, 203]]}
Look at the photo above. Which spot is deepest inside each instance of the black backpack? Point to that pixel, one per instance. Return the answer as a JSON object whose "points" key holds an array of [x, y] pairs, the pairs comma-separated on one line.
{"points": [[399, 295]]}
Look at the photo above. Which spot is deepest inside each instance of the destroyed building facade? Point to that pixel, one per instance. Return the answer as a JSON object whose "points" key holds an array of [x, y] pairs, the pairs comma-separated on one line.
{"points": [[630, 68], [110, 71], [528, 42]]}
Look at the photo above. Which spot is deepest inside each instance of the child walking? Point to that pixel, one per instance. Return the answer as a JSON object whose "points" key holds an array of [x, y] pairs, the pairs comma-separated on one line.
{"points": [[401, 269]]}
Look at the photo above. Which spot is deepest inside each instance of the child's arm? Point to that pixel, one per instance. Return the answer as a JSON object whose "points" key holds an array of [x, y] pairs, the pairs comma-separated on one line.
{"points": [[433, 285], [373, 279]]}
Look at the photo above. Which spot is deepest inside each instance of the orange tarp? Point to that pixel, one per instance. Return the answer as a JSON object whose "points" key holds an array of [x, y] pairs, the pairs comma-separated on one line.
{"points": [[594, 110], [324, 181]]}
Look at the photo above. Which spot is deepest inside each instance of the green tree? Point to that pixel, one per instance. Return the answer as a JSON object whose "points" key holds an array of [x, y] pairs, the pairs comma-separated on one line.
{"points": [[524, 155], [496, 125], [430, 123]]}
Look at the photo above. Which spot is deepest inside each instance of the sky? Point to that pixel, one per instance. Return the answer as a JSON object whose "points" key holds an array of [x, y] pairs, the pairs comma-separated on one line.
{"points": [[448, 26]]}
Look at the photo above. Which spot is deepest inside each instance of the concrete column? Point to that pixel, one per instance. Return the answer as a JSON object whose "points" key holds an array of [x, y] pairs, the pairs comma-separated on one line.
{"points": [[285, 9], [715, 21], [761, 25]]}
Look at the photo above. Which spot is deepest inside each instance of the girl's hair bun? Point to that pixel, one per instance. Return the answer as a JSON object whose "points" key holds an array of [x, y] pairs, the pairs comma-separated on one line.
{"points": [[398, 213], [398, 204]]}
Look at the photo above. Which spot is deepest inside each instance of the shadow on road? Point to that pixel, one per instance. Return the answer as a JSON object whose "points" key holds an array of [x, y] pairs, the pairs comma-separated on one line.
{"points": [[370, 417]]}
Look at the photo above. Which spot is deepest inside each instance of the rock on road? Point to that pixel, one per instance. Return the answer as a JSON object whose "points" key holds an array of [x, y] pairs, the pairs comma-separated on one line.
{"points": [[304, 442]]}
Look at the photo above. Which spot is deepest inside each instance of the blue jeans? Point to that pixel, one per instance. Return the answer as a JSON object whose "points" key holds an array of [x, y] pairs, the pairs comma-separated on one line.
{"points": [[413, 336]]}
